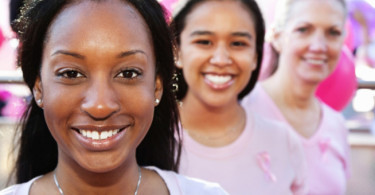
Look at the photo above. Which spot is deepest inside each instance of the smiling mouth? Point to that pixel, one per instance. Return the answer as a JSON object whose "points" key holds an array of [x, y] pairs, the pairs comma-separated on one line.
{"points": [[98, 135], [315, 61], [218, 79]]}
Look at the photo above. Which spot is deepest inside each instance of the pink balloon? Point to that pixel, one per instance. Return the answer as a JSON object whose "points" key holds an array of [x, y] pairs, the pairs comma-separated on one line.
{"points": [[338, 89], [168, 4], [2, 37]]}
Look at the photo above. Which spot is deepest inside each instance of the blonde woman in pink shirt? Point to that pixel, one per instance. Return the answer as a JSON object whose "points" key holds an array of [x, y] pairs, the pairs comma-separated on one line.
{"points": [[307, 38], [219, 47]]}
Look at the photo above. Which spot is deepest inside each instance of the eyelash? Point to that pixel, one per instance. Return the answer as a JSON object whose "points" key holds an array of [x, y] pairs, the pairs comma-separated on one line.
{"points": [[204, 42], [67, 74], [239, 44], [134, 74], [302, 29], [235, 43], [335, 32]]}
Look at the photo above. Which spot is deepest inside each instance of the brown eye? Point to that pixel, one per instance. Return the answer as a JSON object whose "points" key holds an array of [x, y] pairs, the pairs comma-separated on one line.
{"points": [[129, 74], [239, 44], [302, 29], [204, 42], [335, 32], [70, 74]]}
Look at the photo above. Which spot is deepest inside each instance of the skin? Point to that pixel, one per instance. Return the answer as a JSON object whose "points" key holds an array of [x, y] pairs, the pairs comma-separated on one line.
{"points": [[218, 40], [92, 78], [309, 46]]}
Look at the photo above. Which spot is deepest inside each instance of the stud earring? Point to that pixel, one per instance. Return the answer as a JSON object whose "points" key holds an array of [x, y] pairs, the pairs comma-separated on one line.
{"points": [[157, 101], [39, 101]]}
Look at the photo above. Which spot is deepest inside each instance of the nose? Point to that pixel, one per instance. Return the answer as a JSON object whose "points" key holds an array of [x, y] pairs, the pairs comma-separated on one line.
{"points": [[221, 56], [100, 101], [318, 43]]}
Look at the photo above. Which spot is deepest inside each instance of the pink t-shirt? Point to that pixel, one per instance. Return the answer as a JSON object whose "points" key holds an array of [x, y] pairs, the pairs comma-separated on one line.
{"points": [[326, 152], [265, 159]]}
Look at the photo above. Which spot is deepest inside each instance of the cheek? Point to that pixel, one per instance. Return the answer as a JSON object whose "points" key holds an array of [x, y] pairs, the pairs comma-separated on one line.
{"points": [[246, 62], [58, 106], [138, 100], [335, 50]]}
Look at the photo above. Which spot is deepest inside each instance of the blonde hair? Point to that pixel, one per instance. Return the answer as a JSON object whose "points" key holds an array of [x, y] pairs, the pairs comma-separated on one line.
{"points": [[282, 13]]}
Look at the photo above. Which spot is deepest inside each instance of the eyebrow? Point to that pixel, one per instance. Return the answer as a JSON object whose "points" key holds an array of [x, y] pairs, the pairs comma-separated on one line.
{"points": [[79, 56], [237, 34], [68, 53], [131, 52]]}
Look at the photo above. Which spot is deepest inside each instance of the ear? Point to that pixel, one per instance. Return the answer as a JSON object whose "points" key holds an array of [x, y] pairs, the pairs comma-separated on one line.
{"points": [[158, 90], [276, 41], [178, 60], [255, 62], [38, 92]]}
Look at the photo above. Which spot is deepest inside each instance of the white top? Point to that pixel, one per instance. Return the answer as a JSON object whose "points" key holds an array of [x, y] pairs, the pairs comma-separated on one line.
{"points": [[177, 185]]}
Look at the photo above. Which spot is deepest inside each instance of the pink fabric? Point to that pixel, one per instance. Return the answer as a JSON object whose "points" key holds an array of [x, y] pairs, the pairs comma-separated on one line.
{"points": [[265, 159], [327, 151]]}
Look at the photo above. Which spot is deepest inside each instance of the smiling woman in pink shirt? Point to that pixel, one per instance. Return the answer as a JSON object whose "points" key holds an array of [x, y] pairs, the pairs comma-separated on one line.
{"points": [[307, 38], [219, 50]]}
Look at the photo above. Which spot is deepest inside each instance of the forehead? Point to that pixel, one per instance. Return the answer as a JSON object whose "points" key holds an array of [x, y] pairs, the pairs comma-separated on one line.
{"points": [[106, 21], [220, 15], [329, 11]]}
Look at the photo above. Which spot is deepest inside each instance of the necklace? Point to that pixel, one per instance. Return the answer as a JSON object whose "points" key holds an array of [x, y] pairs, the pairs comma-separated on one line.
{"points": [[135, 193]]}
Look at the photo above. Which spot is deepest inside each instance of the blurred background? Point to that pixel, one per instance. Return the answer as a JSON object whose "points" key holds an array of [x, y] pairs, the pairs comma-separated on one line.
{"points": [[350, 90]]}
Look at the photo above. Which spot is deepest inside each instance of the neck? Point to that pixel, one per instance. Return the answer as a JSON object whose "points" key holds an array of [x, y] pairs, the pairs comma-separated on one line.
{"points": [[74, 179], [290, 91], [212, 126]]}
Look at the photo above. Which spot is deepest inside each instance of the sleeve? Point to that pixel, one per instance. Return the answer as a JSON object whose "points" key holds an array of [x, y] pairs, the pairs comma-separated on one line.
{"points": [[8, 191]]}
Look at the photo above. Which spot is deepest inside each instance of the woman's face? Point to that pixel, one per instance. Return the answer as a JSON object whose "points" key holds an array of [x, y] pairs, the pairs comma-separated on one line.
{"points": [[311, 41], [217, 51], [98, 84]]}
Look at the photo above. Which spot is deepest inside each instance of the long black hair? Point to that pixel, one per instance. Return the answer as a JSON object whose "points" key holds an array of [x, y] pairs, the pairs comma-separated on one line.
{"points": [[178, 24], [37, 148]]}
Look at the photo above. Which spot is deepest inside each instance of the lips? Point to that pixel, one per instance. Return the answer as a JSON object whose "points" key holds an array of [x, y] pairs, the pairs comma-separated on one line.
{"points": [[99, 138]]}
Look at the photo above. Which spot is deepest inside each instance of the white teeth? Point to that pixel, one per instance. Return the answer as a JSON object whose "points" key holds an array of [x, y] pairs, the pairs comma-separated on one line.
{"points": [[96, 135], [313, 61], [218, 79]]}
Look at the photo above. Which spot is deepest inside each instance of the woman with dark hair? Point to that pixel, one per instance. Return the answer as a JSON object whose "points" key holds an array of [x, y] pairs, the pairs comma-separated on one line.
{"points": [[219, 50], [103, 118], [307, 39]]}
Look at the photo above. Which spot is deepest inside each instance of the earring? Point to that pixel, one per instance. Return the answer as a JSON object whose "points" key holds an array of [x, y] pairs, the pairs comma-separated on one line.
{"points": [[39, 101], [178, 63], [157, 101], [175, 82]]}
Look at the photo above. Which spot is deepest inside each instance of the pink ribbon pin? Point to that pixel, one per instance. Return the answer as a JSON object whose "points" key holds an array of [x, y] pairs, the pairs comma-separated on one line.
{"points": [[264, 161], [324, 145]]}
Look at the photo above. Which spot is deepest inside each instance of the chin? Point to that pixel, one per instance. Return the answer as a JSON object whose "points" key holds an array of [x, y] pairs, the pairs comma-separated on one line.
{"points": [[100, 164]]}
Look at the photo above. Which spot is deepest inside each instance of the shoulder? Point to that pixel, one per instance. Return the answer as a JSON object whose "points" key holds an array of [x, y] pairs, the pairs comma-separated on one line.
{"points": [[333, 123], [270, 126], [19, 189], [331, 113], [179, 184], [255, 95]]}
